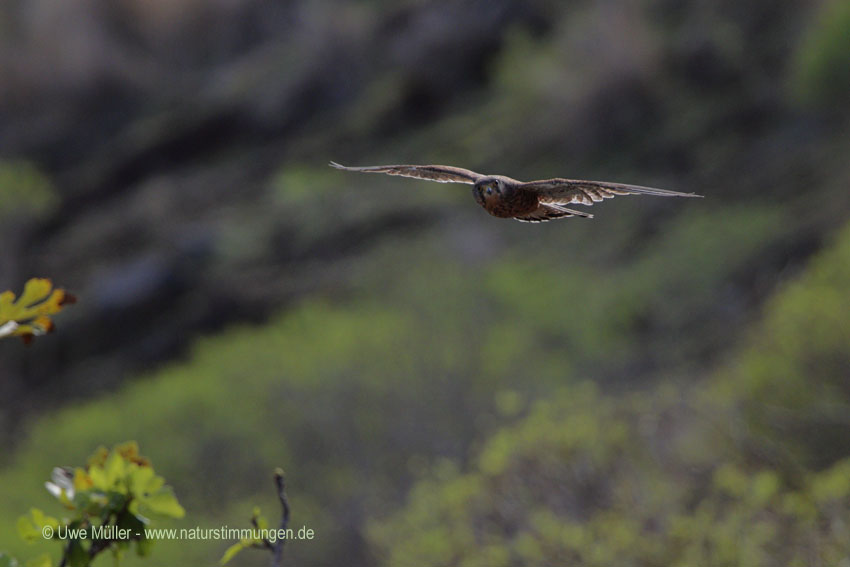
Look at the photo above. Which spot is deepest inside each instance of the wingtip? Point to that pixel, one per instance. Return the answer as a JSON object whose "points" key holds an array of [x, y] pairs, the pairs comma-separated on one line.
{"points": [[677, 194], [336, 165]]}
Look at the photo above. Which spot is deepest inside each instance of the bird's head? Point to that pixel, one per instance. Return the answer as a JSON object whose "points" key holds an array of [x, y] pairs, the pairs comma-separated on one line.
{"points": [[490, 188]]}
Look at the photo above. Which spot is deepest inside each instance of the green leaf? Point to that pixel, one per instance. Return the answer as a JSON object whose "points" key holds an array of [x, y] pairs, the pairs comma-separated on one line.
{"points": [[98, 477], [30, 527], [130, 521], [27, 530], [231, 552], [144, 546], [139, 478], [117, 501], [82, 481], [77, 556], [41, 520], [259, 521], [143, 481], [91, 502], [114, 471], [164, 503]]}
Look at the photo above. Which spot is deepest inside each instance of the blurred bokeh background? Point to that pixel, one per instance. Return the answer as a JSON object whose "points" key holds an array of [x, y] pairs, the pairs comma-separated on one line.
{"points": [[667, 384]]}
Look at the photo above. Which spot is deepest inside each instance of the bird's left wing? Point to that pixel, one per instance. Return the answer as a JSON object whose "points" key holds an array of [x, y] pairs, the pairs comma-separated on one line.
{"points": [[438, 173], [575, 191]]}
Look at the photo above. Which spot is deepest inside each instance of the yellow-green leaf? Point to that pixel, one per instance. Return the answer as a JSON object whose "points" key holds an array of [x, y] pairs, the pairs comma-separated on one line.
{"points": [[231, 552], [27, 530], [29, 316], [30, 526], [82, 480], [164, 503], [130, 452], [98, 478], [114, 469]]}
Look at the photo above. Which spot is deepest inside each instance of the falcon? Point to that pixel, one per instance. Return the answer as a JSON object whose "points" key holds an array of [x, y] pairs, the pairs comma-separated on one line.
{"points": [[527, 201]]}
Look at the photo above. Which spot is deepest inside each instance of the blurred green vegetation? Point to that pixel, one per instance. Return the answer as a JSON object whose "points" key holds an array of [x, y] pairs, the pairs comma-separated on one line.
{"points": [[587, 480], [357, 412], [24, 190], [821, 67], [351, 411], [791, 386], [672, 476]]}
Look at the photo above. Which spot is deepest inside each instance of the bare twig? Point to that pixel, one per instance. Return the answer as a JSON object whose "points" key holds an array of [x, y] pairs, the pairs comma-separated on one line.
{"points": [[280, 483]]}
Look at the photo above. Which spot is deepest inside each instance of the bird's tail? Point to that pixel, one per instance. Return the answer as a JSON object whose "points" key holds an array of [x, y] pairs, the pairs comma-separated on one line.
{"points": [[569, 211]]}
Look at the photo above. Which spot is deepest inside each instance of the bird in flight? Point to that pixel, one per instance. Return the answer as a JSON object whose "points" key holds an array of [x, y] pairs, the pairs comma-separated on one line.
{"points": [[527, 201]]}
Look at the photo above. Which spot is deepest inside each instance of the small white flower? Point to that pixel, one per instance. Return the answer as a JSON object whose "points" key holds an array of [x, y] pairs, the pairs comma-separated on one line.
{"points": [[8, 328], [63, 479]]}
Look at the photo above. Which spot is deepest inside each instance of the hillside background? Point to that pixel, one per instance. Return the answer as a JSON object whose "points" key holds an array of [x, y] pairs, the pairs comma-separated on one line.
{"points": [[666, 384]]}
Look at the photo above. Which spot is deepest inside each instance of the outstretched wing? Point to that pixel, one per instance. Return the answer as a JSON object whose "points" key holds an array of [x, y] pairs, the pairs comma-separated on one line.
{"points": [[548, 212], [438, 173], [567, 191]]}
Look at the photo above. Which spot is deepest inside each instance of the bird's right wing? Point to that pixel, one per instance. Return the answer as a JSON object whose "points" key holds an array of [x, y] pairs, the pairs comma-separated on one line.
{"points": [[438, 173]]}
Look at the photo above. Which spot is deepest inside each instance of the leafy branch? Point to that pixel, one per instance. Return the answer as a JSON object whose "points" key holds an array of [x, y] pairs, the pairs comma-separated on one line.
{"points": [[112, 500], [29, 316]]}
